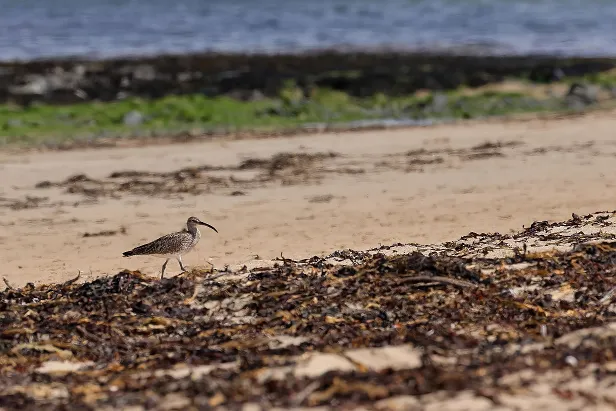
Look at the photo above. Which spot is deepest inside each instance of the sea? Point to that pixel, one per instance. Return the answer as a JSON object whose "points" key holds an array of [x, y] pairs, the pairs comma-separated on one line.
{"points": [[36, 29]]}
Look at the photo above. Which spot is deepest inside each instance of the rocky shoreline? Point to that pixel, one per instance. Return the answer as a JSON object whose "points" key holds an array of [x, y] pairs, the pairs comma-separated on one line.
{"points": [[246, 77]]}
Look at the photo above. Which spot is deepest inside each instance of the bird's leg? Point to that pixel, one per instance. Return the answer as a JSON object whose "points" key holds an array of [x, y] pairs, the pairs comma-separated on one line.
{"points": [[164, 266], [184, 269]]}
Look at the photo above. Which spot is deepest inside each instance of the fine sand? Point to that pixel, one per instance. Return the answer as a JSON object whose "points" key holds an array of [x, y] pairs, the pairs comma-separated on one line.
{"points": [[299, 196]]}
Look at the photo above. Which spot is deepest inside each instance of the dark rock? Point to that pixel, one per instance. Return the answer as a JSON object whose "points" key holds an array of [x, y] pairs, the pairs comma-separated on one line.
{"points": [[256, 76], [581, 95], [547, 74], [145, 72], [31, 84]]}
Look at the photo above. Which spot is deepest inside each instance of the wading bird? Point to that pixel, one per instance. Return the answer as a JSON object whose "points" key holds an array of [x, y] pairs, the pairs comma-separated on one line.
{"points": [[172, 245]]}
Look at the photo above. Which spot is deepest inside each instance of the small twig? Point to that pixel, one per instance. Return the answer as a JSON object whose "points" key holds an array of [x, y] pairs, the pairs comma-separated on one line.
{"points": [[360, 366], [71, 281], [196, 291], [438, 279], [88, 334], [305, 393], [284, 259], [217, 276], [607, 297], [8, 285], [180, 274]]}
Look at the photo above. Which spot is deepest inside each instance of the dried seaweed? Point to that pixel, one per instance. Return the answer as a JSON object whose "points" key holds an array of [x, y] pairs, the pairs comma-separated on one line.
{"points": [[26, 203], [282, 168], [105, 233], [285, 168], [202, 342]]}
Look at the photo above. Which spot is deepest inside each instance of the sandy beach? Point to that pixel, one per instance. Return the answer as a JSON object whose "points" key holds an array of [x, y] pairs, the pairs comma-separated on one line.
{"points": [[411, 212], [441, 314], [62, 212]]}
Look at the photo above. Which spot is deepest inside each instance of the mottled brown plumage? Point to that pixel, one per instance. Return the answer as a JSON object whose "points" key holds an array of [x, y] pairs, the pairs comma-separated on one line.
{"points": [[172, 245]]}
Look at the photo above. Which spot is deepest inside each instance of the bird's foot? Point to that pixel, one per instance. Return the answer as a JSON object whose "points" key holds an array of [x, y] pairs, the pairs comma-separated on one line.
{"points": [[182, 273]]}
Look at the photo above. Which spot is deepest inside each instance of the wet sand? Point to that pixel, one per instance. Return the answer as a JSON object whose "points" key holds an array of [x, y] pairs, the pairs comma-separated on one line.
{"points": [[300, 196]]}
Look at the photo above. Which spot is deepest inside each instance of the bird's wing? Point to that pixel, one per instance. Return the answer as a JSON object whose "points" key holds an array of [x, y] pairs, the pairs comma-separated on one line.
{"points": [[155, 246]]}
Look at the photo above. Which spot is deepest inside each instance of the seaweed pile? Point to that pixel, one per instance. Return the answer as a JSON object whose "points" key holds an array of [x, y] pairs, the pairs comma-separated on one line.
{"points": [[384, 329]]}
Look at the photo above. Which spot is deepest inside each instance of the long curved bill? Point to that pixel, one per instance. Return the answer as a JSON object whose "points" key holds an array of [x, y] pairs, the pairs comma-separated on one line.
{"points": [[207, 225]]}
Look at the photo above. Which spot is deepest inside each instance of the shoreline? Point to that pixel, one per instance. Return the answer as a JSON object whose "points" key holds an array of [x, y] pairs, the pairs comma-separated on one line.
{"points": [[192, 97], [461, 51], [66, 81]]}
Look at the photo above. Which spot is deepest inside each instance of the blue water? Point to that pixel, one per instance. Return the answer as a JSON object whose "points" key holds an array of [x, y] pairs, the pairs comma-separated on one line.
{"points": [[51, 28]]}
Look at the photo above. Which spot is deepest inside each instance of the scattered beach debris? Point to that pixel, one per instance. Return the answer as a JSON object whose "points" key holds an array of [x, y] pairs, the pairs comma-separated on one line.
{"points": [[281, 168], [349, 329], [23, 204], [105, 233]]}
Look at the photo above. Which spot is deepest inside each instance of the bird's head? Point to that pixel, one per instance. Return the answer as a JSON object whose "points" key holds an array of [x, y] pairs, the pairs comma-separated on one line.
{"points": [[195, 221]]}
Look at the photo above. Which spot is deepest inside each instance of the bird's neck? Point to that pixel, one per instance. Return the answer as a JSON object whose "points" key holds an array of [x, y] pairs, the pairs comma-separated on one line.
{"points": [[193, 230]]}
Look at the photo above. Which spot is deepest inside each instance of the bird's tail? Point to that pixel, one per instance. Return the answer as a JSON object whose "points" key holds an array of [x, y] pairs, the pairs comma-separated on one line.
{"points": [[127, 253]]}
